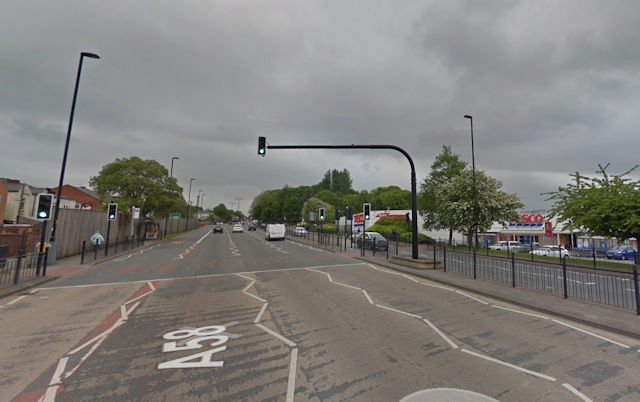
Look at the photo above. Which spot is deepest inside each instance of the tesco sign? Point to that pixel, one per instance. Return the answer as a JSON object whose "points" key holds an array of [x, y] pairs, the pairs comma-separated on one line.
{"points": [[531, 218]]}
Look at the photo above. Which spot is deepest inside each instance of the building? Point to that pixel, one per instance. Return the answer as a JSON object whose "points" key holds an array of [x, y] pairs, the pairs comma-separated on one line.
{"points": [[78, 198], [18, 200]]}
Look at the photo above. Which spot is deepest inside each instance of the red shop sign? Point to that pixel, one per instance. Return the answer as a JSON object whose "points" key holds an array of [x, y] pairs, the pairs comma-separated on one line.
{"points": [[531, 218]]}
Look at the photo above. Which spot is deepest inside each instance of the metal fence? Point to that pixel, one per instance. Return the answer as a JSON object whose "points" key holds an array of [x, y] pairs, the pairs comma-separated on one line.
{"points": [[27, 266], [14, 270], [604, 286]]}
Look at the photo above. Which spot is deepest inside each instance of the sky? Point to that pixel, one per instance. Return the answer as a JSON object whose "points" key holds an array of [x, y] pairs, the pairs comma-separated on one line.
{"points": [[553, 88]]}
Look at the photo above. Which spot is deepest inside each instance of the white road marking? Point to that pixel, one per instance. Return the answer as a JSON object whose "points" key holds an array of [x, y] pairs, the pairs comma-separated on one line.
{"points": [[291, 385], [472, 298], [442, 334], [276, 335], [592, 334], [398, 311], [577, 393], [262, 310], [544, 317], [14, 301], [513, 366]]}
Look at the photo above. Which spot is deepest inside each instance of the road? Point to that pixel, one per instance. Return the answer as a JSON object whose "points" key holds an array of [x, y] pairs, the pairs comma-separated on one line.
{"points": [[233, 317]]}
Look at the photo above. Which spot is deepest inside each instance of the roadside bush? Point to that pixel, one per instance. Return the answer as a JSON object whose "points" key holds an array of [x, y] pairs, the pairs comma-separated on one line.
{"points": [[386, 226]]}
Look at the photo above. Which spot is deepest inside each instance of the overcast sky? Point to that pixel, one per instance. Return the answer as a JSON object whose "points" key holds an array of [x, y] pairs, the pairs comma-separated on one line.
{"points": [[553, 88]]}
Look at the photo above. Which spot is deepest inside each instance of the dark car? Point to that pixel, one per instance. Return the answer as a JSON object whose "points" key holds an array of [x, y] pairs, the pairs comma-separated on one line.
{"points": [[623, 252], [252, 226], [218, 228], [381, 243]]}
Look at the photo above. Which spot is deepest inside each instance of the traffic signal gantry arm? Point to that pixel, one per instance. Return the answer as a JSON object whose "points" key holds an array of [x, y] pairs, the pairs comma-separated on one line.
{"points": [[262, 146]]}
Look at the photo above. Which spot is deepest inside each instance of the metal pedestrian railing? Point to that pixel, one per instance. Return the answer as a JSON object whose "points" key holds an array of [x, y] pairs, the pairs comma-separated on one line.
{"points": [[617, 288], [14, 270], [28, 266]]}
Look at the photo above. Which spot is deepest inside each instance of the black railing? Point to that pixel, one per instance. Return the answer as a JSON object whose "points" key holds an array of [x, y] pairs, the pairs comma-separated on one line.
{"points": [[26, 266], [618, 288]]}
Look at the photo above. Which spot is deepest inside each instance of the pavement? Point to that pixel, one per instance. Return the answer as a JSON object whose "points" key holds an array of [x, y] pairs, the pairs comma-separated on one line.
{"points": [[621, 321]]}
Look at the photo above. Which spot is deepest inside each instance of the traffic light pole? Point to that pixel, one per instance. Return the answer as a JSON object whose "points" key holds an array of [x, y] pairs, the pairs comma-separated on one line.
{"points": [[41, 247], [414, 201], [106, 243]]}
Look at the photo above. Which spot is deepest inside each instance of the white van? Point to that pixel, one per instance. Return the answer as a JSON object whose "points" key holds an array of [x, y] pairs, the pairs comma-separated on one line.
{"points": [[274, 231]]}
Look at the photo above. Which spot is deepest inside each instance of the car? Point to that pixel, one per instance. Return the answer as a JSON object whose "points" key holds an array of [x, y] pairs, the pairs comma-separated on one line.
{"points": [[505, 245], [300, 231], [551, 251], [238, 228], [622, 252], [218, 228], [381, 243], [252, 226], [525, 247]]}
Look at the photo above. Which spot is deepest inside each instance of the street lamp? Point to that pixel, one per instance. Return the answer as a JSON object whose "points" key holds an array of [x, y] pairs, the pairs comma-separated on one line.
{"points": [[198, 203], [189, 206], [475, 190], [166, 221], [238, 199], [54, 225], [173, 158]]}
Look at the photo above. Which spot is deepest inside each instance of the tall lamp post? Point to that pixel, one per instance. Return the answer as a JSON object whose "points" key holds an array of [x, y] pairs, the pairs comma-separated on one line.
{"points": [[189, 206], [198, 203], [173, 158], [238, 199], [166, 221], [475, 190], [54, 225]]}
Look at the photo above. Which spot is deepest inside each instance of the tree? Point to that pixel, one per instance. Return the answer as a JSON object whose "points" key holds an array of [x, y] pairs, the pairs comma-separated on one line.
{"points": [[457, 203], [391, 197], [222, 213], [606, 206], [444, 169], [142, 183], [336, 181]]}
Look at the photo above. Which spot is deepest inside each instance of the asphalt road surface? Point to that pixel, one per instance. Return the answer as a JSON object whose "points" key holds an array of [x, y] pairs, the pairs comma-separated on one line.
{"points": [[232, 317]]}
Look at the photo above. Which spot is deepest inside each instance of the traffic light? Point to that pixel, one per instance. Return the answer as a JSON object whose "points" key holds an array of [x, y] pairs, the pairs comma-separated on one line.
{"points": [[321, 214], [45, 202], [407, 218], [262, 146], [348, 213], [337, 214], [367, 211], [113, 211]]}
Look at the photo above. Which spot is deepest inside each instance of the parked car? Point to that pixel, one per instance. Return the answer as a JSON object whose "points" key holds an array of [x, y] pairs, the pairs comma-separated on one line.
{"points": [[524, 247], [505, 245], [238, 228], [218, 228], [300, 231], [369, 238], [622, 252], [551, 251]]}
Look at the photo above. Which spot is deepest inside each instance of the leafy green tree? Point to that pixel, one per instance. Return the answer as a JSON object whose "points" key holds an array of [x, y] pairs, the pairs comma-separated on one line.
{"points": [[444, 169], [222, 213], [392, 197], [142, 183], [457, 208], [605, 206], [336, 181]]}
